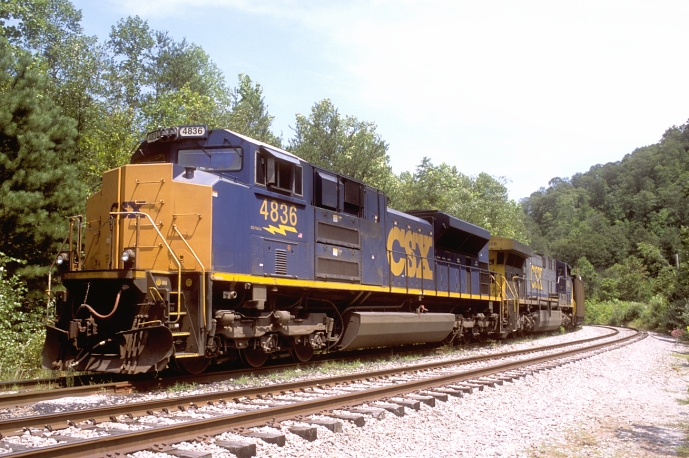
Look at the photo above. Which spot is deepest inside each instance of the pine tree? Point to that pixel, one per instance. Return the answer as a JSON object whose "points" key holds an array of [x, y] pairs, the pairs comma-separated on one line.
{"points": [[38, 176]]}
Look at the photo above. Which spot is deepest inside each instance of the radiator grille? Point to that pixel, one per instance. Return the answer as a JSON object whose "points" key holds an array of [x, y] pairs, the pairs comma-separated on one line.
{"points": [[281, 262], [338, 234], [334, 267]]}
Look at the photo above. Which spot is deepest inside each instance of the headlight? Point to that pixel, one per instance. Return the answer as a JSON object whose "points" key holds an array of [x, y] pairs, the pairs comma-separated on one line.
{"points": [[62, 258], [127, 255]]}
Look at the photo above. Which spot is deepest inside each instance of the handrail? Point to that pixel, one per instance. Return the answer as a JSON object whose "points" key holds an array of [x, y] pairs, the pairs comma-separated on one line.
{"points": [[174, 256], [203, 277], [471, 270]]}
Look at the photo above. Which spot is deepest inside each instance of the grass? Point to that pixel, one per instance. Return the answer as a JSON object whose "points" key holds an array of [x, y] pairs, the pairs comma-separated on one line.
{"points": [[329, 367], [9, 375], [576, 444], [247, 380], [179, 387]]}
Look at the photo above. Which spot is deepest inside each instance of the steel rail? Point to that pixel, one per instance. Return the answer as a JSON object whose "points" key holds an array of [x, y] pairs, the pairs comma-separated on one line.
{"points": [[140, 440]]}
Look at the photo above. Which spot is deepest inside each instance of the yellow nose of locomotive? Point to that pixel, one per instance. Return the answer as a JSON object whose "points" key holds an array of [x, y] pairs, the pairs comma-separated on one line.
{"points": [[145, 220]]}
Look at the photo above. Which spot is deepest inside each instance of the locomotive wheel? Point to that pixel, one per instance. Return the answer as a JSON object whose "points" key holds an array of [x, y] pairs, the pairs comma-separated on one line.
{"points": [[479, 337], [302, 353], [193, 366], [253, 357], [465, 338]]}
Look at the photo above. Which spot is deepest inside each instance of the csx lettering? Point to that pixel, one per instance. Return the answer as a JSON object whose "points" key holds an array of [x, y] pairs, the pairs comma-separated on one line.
{"points": [[416, 247], [536, 277]]}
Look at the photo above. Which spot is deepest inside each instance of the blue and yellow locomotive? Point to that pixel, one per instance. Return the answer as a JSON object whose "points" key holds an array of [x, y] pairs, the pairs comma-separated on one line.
{"points": [[211, 246]]}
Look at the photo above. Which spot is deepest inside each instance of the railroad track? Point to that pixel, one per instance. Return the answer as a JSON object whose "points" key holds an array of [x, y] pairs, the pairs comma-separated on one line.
{"points": [[88, 384], [253, 407], [21, 392]]}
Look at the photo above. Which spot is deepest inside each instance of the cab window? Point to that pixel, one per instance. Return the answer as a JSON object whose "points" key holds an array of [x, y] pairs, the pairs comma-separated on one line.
{"points": [[211, 159]]}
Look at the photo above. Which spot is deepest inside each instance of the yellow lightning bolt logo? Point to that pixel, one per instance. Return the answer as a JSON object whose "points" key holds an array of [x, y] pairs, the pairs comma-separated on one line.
{"points": [[282, 230]]}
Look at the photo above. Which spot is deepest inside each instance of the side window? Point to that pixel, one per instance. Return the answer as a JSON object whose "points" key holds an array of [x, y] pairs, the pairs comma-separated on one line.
{"points": [[298, 180], [260, 169], [277, 175]]}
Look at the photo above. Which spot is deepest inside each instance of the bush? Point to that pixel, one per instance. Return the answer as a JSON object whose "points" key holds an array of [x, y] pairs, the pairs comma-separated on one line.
{"points": [[615, 313], [21, 327]]}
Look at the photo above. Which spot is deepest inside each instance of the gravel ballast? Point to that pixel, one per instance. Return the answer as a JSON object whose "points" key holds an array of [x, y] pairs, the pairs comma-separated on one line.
{"points": [[615, 404], [620, 403], [623, 403]]}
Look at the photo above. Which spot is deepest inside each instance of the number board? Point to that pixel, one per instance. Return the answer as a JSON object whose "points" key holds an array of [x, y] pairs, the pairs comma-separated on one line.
{"points": [[192, 131], [176, 133]]}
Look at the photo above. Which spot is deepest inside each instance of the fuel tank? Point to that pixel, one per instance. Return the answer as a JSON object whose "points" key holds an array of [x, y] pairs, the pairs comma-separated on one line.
{"points": [[379, 329], [547, 320]]}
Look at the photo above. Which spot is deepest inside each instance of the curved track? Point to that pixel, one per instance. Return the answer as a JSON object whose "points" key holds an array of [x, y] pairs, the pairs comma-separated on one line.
{"points": [[328, 394]]}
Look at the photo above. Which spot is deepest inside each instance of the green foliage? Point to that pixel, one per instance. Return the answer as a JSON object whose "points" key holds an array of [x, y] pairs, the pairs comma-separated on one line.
{"points": [[629, 219], [21, 330], [590, 277], [480, 200], [342, 144], [180, 387], [628, 281], [656, 314], [249, 114], [37, 164], [613, 312]]}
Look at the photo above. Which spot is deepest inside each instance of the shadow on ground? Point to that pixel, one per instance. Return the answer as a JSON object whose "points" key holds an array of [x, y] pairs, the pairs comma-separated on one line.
{"points": [[657, 440]]}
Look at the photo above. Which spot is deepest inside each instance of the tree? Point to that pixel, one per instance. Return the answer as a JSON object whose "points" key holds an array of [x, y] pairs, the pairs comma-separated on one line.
{"points": [[41, 26], [344, 145], [150, 81], [482, 200], [249, 113], [129, 44], [628, 281], [590, 278], [37, 164], [184, 106]]}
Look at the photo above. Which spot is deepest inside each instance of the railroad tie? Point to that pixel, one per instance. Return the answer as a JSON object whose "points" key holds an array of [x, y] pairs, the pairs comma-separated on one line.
{"points": [[305, 432], [358, 420], [181, 453], [332, 425], [414, 404], [272, 438], [450, 391], [466, 389], [395, 409], [428, 400], [436, 395], [241, 449], [376, 413]]}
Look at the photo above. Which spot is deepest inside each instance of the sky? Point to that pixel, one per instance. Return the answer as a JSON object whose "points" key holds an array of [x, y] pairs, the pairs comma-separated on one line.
{"points": [[527, 90]]}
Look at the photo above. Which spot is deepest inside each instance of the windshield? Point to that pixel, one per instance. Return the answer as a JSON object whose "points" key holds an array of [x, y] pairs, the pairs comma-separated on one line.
{"points": [[211, 159]]}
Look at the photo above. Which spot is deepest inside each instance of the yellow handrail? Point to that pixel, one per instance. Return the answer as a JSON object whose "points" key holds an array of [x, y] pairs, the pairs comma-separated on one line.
{"points": [[174, 256], [203, 274]]}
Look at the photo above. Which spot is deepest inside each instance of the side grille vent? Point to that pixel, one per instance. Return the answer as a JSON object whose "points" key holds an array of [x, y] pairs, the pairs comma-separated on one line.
{"points": [[281, 262], [331, 267], [335, 234]]}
